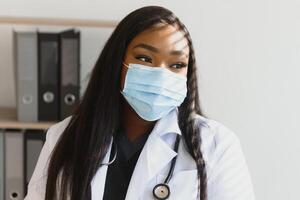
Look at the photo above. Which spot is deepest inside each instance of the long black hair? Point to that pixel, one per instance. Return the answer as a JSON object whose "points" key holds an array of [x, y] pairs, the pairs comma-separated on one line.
{"points": [[84, 142]]}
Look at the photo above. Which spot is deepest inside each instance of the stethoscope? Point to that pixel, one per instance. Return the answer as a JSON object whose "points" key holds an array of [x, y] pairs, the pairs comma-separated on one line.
{"points": [[160, 191]]}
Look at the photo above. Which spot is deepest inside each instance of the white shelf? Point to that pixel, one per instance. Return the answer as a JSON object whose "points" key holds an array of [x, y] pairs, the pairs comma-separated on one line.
{"points": [[8, 120], [58, 22]]}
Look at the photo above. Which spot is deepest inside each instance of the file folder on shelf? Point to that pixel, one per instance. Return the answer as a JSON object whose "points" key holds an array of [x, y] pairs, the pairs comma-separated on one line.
{"points": [[69, 72], [25, 50], [14, 172], [2, 178], [48, 76], [34, 141]]}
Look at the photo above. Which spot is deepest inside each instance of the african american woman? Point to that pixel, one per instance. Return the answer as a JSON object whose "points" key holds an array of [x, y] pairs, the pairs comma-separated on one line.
{"points": [[138, 132]]}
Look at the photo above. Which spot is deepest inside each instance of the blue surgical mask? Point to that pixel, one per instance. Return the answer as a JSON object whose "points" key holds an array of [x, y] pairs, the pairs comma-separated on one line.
{"points": [[153, 91]]}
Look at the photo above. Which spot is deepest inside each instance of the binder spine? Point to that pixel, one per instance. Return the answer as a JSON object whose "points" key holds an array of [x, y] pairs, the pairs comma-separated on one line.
{"points": [[26, 75], [33, 144], [70, 72], [48, 77], [14, 172], [2, 162]]}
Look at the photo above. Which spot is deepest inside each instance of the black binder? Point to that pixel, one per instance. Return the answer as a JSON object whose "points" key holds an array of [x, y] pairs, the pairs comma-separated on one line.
{"points": [[33, 144], [48, 76], [69, 72]]}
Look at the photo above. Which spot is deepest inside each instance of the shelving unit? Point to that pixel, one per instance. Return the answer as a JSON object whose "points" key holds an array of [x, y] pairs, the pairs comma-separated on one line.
{"points": [[57, 21], [8, 120], [8, 116]]}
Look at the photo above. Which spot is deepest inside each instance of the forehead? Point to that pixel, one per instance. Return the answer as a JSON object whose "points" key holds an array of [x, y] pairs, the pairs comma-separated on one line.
{"points": [[164, 37]]}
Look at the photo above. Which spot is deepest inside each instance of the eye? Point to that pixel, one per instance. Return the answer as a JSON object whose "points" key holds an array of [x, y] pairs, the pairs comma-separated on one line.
{"points": [[178, 65], [144, 58]]}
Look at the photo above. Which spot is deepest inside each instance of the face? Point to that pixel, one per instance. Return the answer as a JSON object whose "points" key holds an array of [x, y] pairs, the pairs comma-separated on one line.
{"points": [[160, 46]]}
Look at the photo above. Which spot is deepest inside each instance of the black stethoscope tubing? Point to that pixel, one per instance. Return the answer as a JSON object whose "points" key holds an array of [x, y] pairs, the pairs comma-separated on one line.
{"points": [[162, 191]]}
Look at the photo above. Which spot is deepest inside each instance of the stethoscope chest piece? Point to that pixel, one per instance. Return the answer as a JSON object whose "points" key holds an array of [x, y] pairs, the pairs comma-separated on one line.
{"points": [[161, 191]]}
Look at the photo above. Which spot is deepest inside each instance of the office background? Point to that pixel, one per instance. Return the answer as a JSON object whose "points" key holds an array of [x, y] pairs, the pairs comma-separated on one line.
{"points": [[248, 55]]}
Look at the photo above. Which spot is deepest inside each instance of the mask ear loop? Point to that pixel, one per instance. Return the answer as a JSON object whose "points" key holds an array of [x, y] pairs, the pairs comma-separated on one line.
{"points": [[125, 65]]}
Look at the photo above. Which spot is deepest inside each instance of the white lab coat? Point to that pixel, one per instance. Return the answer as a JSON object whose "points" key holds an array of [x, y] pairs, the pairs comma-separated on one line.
{"points": [[227, 171]]}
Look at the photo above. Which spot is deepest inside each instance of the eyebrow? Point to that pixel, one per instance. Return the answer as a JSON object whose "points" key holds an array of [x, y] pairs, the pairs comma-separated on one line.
{"points": [[155, 50]]}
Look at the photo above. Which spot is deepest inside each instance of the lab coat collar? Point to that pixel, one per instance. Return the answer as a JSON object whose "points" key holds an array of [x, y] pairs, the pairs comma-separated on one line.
{"points": [[167, 124], [155, 156]]}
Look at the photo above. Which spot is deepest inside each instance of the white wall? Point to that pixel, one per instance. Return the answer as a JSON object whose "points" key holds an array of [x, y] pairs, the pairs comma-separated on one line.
{"points": [[249, 63]]}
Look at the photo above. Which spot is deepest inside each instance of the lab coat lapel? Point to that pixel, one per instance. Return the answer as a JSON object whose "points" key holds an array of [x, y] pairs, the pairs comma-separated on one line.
{"points": [[146, 168], [155, 155], [98, 182]]}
